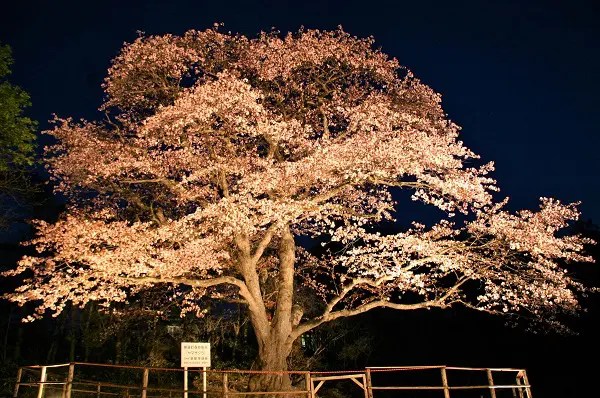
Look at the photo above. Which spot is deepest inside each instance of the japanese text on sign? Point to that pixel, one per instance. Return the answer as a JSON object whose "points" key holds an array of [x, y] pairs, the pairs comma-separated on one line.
{"points": [[195, 355]]}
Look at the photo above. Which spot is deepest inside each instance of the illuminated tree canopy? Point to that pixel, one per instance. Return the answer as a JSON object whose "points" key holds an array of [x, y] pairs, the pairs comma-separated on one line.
{"points": [[219, 151]]}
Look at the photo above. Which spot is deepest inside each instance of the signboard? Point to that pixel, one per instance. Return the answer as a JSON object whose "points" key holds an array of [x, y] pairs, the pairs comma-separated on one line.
{"points": [[195, 355]]}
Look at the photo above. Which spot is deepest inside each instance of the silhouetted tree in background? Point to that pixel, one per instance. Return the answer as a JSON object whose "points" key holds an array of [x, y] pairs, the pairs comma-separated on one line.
{"points": [[17, 143]]}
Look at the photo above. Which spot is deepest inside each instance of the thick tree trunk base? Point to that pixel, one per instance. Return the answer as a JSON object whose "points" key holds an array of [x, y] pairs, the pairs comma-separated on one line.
{"points": [[270, 382], [274, 376]]}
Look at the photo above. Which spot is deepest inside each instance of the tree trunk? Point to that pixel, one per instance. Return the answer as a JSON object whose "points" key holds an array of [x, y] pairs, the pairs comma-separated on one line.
{"points": [[86, 331], [18, 344], [6, 332], [272, 360], [72, 334], [274, 341]]}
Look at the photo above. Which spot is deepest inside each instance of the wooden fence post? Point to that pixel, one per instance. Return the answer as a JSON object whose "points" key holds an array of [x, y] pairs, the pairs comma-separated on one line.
{"points": [[42, 383], [18, 383], [528, 386], [519, 385], [369, 383], [307, 384], [225, 386], [445, 382], [364, 385], [69, 380], [145, 383], [491, 383]]}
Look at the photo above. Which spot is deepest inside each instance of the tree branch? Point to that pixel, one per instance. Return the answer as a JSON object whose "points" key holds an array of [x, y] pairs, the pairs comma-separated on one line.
{"points": [[329, 316], [309, 325], [263, 243], [258, 311], [202, 283], [146, 181], [347, 289]]}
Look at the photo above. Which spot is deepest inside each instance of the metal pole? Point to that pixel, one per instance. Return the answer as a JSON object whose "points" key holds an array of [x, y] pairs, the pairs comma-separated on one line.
{"points": [[70, 376], [18, 383], [185, 382], [445, 382], [42, 381], [204, 382]]}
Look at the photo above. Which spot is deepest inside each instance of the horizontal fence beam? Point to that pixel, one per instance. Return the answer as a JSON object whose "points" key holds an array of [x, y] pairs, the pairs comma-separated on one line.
{"points": [[481, 387], [341, 377], [60, 365]]}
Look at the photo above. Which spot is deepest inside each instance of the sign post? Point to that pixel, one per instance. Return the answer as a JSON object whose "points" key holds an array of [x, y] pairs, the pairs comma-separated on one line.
{"points": [[195, 355], [185, 382]]}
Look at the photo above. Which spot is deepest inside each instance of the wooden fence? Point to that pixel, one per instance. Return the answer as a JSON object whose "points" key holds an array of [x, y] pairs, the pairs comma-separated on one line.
{"points": [[86, 380]]}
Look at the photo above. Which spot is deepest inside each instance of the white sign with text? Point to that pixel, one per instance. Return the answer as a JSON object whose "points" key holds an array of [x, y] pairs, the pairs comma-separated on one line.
{"points": [[195, 355]]}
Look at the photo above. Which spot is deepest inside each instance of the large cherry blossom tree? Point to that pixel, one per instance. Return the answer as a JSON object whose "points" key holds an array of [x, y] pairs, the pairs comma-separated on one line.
{"points": [[219, 151]]}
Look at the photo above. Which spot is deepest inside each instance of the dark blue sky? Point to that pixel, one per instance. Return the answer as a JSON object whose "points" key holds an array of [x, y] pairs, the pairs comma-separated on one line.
{"points": [[521, 77]]}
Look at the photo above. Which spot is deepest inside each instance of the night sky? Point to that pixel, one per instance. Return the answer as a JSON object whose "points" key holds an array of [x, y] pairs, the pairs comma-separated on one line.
{"points": [[521, 77]]}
